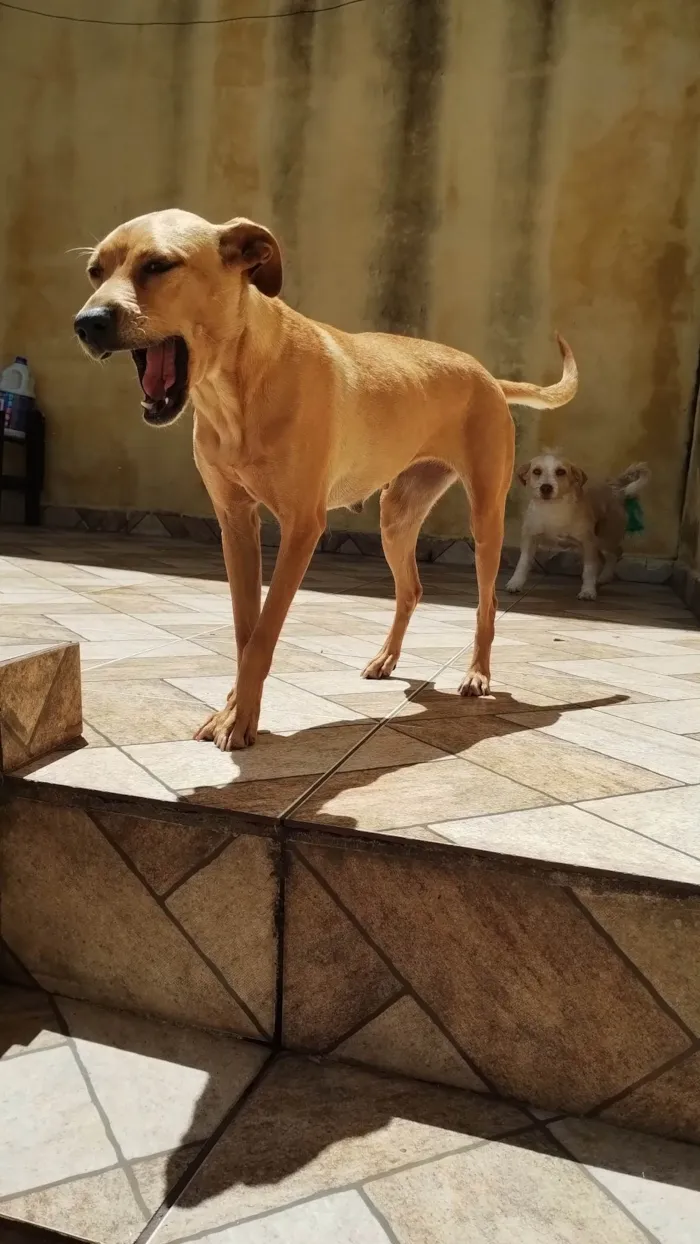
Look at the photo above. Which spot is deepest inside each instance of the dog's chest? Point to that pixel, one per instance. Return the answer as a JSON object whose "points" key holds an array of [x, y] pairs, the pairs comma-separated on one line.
{"points": [[558, 520]]}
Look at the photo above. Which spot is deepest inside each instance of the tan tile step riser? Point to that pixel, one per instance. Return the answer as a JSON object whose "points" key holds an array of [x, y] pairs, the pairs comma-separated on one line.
{"points": [[564, 988]]}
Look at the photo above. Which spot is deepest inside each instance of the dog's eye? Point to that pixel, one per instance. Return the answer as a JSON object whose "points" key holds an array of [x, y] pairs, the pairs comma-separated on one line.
{"points": [[560, 471], [95, 272], [536, 470], [155, 266]]}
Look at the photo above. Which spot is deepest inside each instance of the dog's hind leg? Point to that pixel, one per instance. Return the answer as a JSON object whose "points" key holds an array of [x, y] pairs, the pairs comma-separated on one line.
{"points": [[487, 471], [404, 505], [610, 560]]}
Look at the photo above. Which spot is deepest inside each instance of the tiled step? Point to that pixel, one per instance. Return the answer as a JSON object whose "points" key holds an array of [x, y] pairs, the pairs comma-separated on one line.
{"points": [[570, 988], [115, 1129], [40, 702]]}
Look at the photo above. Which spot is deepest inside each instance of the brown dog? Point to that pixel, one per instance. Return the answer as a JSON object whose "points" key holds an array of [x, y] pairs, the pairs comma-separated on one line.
{"points": [[302, 418]]}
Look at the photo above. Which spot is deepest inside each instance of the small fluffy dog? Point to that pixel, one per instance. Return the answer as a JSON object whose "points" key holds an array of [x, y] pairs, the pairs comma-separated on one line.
{"points": [[561, 512]]}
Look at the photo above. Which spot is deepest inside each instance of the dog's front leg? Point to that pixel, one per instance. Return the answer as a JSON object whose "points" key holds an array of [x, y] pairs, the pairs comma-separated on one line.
{"points": [[237, 724], [590, 567], [528, 549], [240, 535]]}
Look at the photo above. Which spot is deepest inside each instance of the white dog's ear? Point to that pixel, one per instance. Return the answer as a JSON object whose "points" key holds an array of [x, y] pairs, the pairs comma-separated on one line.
{"points": [[256, 251], [523, 472], [579, 476]]}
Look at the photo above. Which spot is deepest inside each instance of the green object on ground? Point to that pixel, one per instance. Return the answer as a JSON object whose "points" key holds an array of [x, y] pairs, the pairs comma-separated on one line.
{"points": [[635, 514]]}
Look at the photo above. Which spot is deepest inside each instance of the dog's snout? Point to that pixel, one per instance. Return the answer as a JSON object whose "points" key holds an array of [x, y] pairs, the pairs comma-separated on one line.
{"points": [[96, 327], [546, 490]]}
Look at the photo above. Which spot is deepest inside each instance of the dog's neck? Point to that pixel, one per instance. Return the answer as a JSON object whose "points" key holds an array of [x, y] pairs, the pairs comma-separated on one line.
{"points": [[233, 365]]}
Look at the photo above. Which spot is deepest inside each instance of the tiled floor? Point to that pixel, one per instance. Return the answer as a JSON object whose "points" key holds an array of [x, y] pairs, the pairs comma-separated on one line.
{"points": [[114, 1128], [588, 751]]}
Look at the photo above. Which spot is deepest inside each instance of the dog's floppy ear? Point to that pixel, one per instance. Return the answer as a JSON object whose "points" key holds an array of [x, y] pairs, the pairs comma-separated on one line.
{"points": [[579, 477], [523, 472], [256, 251]]}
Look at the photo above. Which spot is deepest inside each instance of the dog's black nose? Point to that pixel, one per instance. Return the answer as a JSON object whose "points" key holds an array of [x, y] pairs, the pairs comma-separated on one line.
{"points": [[96, 327], [546, 490]]}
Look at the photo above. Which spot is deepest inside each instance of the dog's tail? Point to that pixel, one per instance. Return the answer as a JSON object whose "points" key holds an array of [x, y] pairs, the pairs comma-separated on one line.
{"points": [[520, 393], [633, 480]]}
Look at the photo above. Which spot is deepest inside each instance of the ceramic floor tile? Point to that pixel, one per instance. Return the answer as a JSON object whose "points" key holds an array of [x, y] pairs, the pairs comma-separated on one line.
{"points": [[140, 711], [100, 768], [284, 707], [657, 1181], [96, 932], [160, 662], [499, 1193], [357, 652], [564, 771], [684, 720], [14, 629], [9, 651], [186, 766], [343, 1217], [381, 799], [565, 689], [669, 816], [40, 1145], [310, 1129], [405, 1040], [506, 962], [110, 626], [100, 1208], [559, 834], [634, 641], [674, 665], [673, 756], [334, 683], [614, 674], [159, 1086]]}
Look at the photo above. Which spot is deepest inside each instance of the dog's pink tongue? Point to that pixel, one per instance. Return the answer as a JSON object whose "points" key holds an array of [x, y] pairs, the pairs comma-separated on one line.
{"points": [[159, 375]]}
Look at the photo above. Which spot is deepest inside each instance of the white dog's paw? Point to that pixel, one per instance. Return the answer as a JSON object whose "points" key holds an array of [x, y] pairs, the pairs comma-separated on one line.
{"points": [[514, 585], [587, 593]]}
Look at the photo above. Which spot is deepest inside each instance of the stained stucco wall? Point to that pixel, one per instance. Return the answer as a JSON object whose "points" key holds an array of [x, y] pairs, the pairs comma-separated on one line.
{"points": [[479, 173], [689, 541]]}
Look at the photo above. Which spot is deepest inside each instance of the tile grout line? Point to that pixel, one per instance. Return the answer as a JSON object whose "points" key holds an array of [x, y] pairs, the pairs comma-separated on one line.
{"points": [[607, 1193], [363, 1023], [670, 734], [280, 926], [399, 976], [296, 803], [631, 966], [676, 1060], [216, 972], [92, 1093], [358, 1184], [70, 1179], [554, 801], [379, 1217], [175, 1192], [201, 865]]}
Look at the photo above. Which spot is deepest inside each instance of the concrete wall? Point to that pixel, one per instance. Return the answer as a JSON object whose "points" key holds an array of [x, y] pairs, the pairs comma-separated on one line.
{"points": [[479, 173], [689, 542]]}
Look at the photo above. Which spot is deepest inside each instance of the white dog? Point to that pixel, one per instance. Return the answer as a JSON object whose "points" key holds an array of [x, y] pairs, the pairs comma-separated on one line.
{"points": [[561, 512]]}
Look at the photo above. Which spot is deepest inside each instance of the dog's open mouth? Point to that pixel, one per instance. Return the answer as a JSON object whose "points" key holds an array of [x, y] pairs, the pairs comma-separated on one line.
{"points": [[164, 372]]}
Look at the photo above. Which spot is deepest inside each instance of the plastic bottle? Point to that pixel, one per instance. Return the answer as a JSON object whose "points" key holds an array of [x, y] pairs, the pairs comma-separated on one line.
{"points": [[16, 398]]}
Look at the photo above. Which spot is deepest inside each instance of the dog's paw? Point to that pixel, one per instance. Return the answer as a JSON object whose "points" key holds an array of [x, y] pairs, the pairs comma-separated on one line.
{"points": [[513, 585], [587, 593], [230, 728], [475, 684], [381, 666]]}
